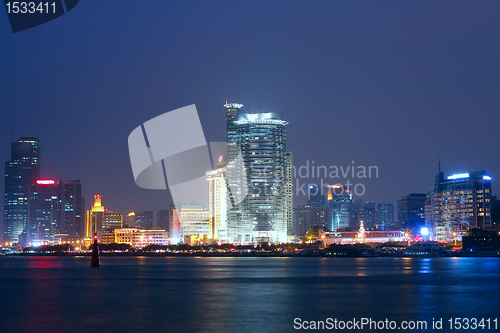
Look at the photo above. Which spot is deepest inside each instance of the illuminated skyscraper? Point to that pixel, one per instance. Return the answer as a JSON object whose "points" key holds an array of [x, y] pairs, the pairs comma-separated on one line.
{"points": [[217, 201], [411, 212], [42, 221], [144, 219], [189, 220], [459, 203], [339, 207], [71, 208], [111, 220], [162, 220], [385, 216], [94, 217], [308, 216], [130, 222], [22, 170], [261, 139]]}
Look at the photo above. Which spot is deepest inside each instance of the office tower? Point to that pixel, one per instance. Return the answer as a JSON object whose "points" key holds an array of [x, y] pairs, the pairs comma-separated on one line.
{"points": [[309, 216], [130, 222], [339, 207], [368, 214], [42, 216], [315, 196], [385, 216], [174, 225], [111, 220], [261, 139], [71, 208], [191, 220], [355, 214], [94, 217], [217, 201], [22, 170], [289, 193], [459, 203], [162, 220], [144, 219], [411, 212]]}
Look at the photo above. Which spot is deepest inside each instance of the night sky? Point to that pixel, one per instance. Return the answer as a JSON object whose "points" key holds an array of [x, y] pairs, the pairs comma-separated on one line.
{"points": [[395, 84]]}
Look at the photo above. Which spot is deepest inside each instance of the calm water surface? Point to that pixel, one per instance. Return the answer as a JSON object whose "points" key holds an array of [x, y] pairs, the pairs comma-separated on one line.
{"points": [[145, 294]]}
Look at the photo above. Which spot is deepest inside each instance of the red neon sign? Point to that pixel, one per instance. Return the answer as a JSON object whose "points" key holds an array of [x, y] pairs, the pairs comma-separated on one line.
{"points": [[45, 182]]}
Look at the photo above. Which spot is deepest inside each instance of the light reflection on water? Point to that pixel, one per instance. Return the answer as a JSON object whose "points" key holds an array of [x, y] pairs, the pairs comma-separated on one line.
{"points": [[146, 294]]}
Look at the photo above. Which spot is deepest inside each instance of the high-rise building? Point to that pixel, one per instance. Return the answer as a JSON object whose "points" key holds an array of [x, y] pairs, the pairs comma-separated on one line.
{"points": [[339, 207], [411, 212], [459, 203], [144, 219], [385, 216], [130, 222], [42, 218], [217, 201], [309, 216], [22, 170], [315, 196], [111, 220], [94, 217], [162, 220], [368, 214], [261, 139], [71, 208], [192, 220]]}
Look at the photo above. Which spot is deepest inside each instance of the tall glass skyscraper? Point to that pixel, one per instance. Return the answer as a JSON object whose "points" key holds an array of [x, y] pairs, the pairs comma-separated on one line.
{"points": [[261, 140], [21, 171], [458, 203]]}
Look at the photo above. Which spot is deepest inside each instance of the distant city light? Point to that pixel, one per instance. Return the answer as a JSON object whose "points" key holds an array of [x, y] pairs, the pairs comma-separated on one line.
{"points": [[424, 231], [485, 177], [458, 176], [45, 182]]}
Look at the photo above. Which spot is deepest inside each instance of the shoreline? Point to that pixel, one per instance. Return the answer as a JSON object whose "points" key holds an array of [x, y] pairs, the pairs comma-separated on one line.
{"points": [[249, 255]]}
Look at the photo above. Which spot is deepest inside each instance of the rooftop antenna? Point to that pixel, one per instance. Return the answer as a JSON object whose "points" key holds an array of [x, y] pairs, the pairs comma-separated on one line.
{"points": [[226, 98], [439, 159]]}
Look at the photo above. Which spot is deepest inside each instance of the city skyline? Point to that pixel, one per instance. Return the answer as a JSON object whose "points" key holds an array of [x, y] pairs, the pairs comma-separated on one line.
{"points": [[370, 102], [249, 166]]}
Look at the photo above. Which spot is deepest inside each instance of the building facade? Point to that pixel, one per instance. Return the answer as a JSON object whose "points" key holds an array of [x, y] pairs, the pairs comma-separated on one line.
{"points": [[94, 217], [459, 203], [193, 220], [385, 216], [139, 238], [217, 202], [261, 140], [309, 216], [339, 207], [144, 219], [411, 212], [111, 220], [43, 206], [162, 220], [71, 209], [21, 171]]}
